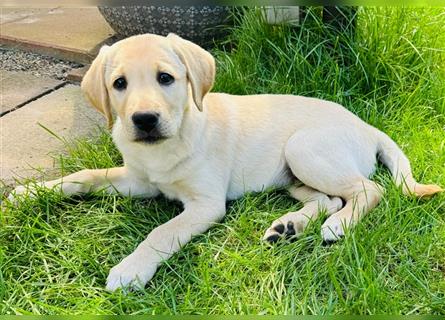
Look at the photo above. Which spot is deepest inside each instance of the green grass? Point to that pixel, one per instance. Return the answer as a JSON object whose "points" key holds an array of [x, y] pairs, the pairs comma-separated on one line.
{"points": [[55, 252]]}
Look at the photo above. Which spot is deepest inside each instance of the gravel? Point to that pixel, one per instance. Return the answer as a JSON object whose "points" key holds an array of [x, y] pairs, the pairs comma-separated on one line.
{"points": [[38, 65]]}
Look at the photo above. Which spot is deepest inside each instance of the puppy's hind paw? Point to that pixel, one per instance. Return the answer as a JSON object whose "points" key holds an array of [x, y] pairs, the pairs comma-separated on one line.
{"points": [[287, 227], [333, 229]]}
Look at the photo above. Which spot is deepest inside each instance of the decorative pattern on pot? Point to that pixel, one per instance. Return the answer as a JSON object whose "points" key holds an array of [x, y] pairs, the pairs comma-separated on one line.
{"points": [[200, 24]]}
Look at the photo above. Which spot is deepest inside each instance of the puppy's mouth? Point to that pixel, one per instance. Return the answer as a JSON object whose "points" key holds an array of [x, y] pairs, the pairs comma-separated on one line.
{"points": [[152, 137]]}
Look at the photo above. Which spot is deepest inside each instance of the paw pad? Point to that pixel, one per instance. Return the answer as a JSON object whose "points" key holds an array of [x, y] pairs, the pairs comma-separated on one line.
{"points": [[279, 228], [288, 230], [273, 238]]}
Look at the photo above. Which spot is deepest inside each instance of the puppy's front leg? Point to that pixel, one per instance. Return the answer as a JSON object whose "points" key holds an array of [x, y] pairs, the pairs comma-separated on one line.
{"points": [[113, 180], [138, 268]]}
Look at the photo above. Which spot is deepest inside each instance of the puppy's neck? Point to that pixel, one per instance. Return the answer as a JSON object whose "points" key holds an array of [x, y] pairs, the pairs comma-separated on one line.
{"points": [[193, 124]]}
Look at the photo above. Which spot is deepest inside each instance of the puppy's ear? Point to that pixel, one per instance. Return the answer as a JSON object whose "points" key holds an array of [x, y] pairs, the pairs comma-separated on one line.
{"points": [[200, 66], [93, 85]]}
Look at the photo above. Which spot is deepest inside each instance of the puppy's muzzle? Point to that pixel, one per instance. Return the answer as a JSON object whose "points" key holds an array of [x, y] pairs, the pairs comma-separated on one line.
{"points": [[147, 126], [145, 121]]}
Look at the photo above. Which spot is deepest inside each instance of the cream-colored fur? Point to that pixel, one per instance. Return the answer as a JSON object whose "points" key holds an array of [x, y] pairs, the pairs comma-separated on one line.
{"points": [[219, 146]]}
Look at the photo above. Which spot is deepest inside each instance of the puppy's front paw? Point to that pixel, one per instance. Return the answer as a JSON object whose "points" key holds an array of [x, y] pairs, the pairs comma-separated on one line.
{"points": [[19, 191], [133, 272]]}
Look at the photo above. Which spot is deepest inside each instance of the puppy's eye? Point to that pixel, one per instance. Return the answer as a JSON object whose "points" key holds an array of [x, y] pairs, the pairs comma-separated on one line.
{"points": [[165, 78], [120, 84]]}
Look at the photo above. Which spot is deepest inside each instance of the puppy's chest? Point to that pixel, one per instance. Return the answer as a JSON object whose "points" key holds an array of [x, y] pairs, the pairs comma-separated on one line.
{"points": [[174, 187], [174, 181]]}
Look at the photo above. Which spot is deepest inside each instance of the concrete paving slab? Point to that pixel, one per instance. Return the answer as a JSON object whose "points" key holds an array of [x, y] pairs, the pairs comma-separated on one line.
{"points": [[15, 14], [26, 146], [20, 87], [76, 75], [73, 34]]}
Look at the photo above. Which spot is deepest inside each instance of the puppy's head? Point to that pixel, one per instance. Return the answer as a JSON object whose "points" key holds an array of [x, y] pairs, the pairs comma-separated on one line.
{"points": [[149, 81]]}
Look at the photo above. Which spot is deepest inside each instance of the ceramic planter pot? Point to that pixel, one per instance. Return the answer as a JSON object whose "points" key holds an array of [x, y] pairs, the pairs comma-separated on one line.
{"points": [[200, 24]]}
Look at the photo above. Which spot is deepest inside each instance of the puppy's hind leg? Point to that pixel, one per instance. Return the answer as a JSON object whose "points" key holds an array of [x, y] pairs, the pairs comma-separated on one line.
{"points": [[361, 197], [292, 224], [317, 159]]}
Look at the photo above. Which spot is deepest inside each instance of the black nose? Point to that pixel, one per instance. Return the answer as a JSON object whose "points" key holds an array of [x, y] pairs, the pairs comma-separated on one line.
{"points": [[145, 121]]}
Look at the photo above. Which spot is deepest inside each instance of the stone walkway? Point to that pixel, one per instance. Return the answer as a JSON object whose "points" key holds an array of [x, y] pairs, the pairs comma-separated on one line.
{"points": [[74, 34], [31, 103]]}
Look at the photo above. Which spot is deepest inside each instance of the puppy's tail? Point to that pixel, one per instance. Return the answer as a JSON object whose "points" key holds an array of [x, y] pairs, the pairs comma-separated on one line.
{"points": [[393, 157]]}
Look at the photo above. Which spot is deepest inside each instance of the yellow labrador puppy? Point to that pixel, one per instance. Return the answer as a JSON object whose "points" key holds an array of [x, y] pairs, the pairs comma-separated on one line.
{"points": [[203, 148]]}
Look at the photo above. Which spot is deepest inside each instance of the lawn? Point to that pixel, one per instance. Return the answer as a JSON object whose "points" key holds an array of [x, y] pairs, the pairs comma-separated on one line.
{"points": [[55, 252]]}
